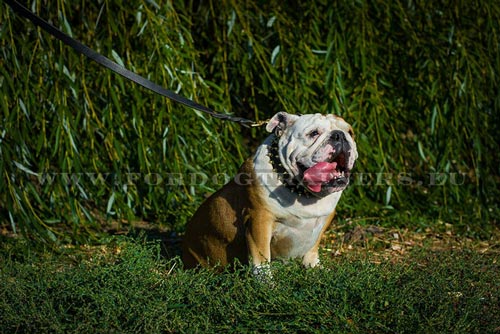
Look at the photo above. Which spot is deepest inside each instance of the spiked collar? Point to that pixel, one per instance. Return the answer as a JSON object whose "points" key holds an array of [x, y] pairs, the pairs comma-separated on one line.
{"points": [[285, 178]]}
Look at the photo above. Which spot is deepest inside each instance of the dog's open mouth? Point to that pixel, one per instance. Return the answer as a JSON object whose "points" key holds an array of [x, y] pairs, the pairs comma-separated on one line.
{"points": [[330, 176]]}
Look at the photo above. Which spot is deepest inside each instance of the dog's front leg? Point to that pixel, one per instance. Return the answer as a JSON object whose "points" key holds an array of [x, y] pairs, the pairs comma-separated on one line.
{"points": [[258, 236], [311, 258]]}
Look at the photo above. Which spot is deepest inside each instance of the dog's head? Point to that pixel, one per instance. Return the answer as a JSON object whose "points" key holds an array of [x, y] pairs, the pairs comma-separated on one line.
{"points": [[317, 150]]}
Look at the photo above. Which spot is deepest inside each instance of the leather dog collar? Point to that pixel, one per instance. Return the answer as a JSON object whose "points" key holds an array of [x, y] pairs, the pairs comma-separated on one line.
{"points": [[284, 176]]}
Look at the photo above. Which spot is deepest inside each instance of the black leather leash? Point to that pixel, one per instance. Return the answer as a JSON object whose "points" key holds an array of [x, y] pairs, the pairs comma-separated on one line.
{"points": [[106, 62]]}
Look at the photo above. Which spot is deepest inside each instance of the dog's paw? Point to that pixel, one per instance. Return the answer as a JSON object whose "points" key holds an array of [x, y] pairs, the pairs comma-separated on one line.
{"points": [[311, 260], [263, 274]]}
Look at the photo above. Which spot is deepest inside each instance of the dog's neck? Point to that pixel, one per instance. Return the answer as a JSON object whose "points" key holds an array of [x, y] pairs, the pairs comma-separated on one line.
{"points": [[285, 178]]}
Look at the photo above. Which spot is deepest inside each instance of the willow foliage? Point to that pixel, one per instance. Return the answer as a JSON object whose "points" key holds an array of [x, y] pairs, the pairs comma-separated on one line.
{"points": [[80, 145]]}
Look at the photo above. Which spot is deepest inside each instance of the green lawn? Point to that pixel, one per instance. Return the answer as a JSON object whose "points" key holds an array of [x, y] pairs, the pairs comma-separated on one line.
{"points": [[129, 287]]}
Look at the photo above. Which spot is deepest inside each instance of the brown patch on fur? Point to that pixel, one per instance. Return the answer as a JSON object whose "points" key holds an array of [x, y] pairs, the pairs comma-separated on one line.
{"points": [[281, 246], [231, 224]]}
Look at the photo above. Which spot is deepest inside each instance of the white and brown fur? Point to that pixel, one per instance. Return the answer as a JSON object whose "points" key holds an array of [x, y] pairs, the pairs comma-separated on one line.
{"points": [[255, 218]]}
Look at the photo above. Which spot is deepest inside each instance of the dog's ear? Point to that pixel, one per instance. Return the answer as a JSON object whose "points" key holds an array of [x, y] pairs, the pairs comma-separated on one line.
{"points": [[279, 122]]}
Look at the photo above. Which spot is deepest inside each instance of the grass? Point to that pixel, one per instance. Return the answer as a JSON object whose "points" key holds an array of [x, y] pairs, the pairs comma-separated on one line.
{"points": [[129, 287]]}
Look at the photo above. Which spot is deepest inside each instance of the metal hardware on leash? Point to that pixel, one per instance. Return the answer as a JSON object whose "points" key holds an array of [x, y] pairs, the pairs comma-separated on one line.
{"points": [[108, 63]]}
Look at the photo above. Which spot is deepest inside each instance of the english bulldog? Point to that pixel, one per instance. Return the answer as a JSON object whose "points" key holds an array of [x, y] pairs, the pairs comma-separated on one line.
{"points": [[282, 199]]}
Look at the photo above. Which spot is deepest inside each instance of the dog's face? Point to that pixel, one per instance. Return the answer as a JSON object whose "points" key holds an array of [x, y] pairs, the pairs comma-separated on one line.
{"points": [[318, 150]]}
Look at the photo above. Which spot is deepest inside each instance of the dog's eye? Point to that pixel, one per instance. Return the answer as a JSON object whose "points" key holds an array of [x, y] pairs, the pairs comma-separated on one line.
{"points": [[313, 134]]}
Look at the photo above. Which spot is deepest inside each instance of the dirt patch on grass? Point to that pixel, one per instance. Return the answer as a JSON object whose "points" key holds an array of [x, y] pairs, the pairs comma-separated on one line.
{"points": [[379, 244], [392, 244]]}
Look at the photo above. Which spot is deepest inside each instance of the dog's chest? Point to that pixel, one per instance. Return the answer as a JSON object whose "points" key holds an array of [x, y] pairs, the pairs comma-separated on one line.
{"points": [[293, 237]]}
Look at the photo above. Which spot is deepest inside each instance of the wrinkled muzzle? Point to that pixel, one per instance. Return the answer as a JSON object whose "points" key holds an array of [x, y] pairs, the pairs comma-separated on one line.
{"points": [[331, 172]]}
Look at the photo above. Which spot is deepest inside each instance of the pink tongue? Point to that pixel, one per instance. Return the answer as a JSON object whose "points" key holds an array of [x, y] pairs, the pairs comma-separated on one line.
{"points": [[319, 173]]}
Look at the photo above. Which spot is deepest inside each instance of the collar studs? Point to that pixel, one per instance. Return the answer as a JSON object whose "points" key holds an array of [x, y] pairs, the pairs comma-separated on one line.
{"points": [[285, 178]]}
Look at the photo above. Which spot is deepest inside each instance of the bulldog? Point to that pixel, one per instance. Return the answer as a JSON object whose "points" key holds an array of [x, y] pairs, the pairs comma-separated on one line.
{"points": [[282, 199]]}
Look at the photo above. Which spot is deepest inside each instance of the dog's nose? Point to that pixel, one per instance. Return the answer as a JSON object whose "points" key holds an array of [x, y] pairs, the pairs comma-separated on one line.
{"points": [[338, 136], [339, 141]]}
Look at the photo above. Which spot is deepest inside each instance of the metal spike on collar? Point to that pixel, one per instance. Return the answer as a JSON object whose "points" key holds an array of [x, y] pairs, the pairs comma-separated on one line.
{"points": [[283, 175]]}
